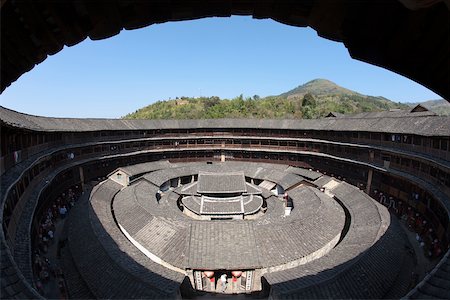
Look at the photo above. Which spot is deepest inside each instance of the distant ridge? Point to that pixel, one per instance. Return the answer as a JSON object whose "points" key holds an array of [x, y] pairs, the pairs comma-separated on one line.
{"points": [[314, 99], [319, 87]]}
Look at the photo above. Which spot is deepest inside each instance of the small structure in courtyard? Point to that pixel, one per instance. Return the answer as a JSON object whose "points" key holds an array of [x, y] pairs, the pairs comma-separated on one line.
{"points": [[221, 196]]}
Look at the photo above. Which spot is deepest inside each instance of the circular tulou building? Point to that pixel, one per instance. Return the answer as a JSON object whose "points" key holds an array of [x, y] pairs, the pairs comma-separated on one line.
{"points": [[347, 206], [282, 208]]}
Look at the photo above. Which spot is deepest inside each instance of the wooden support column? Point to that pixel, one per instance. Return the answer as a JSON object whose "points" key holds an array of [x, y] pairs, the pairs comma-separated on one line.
{"points": [[81, 177], [369, 181], [370, 173]]}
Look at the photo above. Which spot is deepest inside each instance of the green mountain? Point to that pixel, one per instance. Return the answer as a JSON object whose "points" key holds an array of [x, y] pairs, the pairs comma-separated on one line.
{"points": [[314, 99], [319, 87]]}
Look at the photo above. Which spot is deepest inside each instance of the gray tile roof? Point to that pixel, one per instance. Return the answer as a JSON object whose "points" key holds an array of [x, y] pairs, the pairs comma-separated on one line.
{"points": [[367, 260], [159, 177], [302, 233], [188, 189], [76, 286], [231, 205], [311, 175], [269, 241], [252, 189], [221, 182], [275, 240], [281, 177], [165, 230], [134, 170], [323, 180], [223, 245], [166, 239], [395, 113], [192, 203], [274, 173], [360, 275], [421, 125], [149, 206], [252, 204], [13, 284], [99, 248], [436, 285]]}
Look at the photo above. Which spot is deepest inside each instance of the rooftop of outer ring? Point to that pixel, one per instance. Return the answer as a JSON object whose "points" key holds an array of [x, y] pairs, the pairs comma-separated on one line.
{"points": [[421, 123]]}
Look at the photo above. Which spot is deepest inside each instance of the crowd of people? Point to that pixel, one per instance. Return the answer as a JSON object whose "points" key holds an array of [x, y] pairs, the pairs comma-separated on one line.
{"points": [[415, 221], [53, 212]]}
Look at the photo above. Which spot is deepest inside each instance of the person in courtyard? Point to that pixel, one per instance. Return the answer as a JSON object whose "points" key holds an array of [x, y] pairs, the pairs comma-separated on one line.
{"points": [[62, 212], [223, 282]]}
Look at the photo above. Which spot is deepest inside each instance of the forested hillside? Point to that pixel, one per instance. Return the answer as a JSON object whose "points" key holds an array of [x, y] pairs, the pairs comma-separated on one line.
{"points": [[314, 99]]}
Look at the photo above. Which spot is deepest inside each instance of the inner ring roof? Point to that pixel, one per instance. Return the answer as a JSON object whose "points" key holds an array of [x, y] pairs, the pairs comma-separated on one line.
{"points": [[270, 241]]}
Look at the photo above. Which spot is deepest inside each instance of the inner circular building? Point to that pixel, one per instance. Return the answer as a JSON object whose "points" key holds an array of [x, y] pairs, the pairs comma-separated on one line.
{"points": [[263, 226]]}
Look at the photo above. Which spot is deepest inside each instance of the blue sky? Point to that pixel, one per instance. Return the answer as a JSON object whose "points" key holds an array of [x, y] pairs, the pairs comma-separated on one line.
{"points": [[222, 57]]}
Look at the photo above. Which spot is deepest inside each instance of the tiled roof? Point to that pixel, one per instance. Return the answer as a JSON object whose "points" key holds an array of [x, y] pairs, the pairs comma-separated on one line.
{"points": [[436, 285], [99, 248], [395, 113], [276, 240], [252, 204], [221, 182], [418, 123], [223, 245], [311, 175], [134, 170], [366, 260], [168, 233], [232, 205]]}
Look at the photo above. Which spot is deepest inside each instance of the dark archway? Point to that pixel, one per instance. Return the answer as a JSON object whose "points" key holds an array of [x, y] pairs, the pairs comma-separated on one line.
{"points": [[413, 43]]}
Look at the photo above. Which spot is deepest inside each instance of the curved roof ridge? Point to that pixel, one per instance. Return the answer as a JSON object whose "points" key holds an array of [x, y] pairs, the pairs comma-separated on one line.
{"points": [[430, 125]]}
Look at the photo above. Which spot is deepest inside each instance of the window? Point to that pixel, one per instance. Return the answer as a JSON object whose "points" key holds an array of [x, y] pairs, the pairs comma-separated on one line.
{"points": [[433, 171], [417, 140], [436, 143], [444, 144], [424, 168], [375, 136]]}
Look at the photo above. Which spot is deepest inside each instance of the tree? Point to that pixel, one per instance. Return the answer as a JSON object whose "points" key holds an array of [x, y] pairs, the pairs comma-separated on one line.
{"points": [[307, 112], [211, 101], [309, 100]]}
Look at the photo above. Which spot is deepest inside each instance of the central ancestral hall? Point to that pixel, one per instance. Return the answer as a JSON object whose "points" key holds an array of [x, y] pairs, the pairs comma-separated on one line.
{"points": [[221, 196]]}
